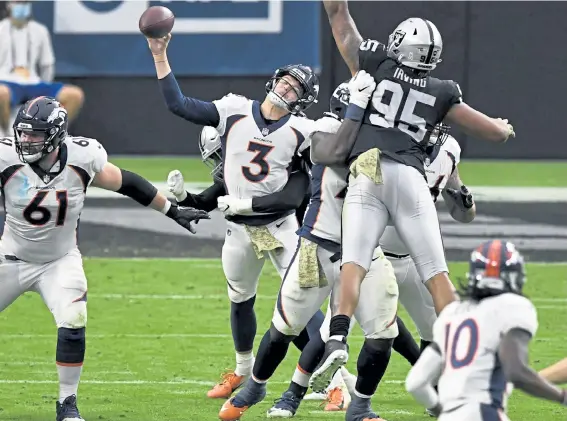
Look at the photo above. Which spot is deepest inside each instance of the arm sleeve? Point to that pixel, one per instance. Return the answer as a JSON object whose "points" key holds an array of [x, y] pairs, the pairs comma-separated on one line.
{"points": [[194, 110], [422, 376], [206, 200], [290, 197]]}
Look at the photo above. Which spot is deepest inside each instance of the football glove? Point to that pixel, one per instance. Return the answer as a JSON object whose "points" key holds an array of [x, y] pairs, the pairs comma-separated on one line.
{"points": [[462, 197], [184, 216], [361, 87], [230, 206], [176, 185]]}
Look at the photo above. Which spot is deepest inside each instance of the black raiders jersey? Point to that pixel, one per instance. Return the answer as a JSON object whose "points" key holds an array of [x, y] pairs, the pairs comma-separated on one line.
{"points": [[403, 109]]}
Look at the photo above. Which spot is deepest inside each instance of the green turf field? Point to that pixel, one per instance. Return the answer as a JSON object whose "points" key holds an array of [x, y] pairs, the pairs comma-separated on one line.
{"points": [[473, 173], [159, 336]]}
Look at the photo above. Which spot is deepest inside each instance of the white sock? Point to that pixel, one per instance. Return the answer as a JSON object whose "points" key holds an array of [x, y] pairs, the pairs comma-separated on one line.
{"points": [[349, 379], [244, 363], [69, 377], [301, 377], [336, 381]]}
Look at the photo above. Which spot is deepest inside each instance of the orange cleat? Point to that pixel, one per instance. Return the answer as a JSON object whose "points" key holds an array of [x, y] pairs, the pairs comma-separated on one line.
{"points": [[335, 400], [229, 383], [229, 412]]}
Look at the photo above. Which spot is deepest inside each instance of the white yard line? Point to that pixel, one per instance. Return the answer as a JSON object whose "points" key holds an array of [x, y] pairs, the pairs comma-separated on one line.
{"points": [[482, 193], [180, 382], [225, 297]]}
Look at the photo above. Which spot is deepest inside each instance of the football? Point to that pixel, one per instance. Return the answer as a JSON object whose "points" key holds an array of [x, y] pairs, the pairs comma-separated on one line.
{"points": [[156, 22]]}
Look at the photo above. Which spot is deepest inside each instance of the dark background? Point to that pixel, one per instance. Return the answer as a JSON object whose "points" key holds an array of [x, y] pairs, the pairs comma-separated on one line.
{"points": [[508, 57]]}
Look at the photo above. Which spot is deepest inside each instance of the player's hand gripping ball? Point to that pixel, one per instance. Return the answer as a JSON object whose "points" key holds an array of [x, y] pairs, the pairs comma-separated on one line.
{"points": [[156, 22]]}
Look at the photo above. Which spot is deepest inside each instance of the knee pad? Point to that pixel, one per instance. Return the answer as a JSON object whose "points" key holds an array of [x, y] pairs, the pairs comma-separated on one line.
{"points": [[70, 345], [236, 294], [73, 316], [277, 336]]}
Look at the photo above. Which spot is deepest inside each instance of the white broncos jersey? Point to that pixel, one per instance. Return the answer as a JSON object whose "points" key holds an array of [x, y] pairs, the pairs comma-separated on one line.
{"points": [[438, 170], [468, 334], [42, 213], [257, 157]]}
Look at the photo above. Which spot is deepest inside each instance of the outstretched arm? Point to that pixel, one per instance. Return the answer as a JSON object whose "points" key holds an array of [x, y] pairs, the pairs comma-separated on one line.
{"points": [[345, 32], [142, 191]]}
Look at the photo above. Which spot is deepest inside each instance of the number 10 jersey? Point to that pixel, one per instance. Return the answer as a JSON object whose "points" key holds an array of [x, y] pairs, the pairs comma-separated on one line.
{"points": [[403, 109], [43, 210]]}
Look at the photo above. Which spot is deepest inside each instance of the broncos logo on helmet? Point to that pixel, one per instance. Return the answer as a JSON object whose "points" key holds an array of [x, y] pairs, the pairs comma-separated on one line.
{"points": [[496, 267], [307, 92], [39, 128]]}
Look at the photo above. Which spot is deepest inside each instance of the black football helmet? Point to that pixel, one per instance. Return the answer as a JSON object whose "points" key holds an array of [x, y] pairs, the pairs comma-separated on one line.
{"points": [[306, 78], [42, 116], [340, 100], [439, 134], [496, 267]]}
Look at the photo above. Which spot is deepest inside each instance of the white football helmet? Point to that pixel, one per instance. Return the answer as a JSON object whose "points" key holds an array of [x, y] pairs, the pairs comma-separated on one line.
{"points": [[416, 43], [210, 147]]}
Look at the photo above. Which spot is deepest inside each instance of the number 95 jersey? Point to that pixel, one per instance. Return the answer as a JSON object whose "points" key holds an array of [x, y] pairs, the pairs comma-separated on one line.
{"points": [[403, 110], [43, 210]]}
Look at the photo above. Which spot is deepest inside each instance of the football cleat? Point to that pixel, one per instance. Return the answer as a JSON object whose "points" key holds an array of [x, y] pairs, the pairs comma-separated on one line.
{"points": [[284, 407], [337, 399], [68, 411], [229, 383], [251, 394], [336, 355]]}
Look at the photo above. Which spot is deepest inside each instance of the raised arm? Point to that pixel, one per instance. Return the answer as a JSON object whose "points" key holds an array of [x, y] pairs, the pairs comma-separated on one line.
{"points": [[194, 110], [345, 32]]}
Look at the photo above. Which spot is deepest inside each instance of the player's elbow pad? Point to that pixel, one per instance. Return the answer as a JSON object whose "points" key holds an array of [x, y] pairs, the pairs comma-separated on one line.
{"points": [[137, 188]]}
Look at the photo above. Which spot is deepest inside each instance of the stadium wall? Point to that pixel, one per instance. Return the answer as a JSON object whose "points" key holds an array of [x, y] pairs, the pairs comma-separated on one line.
{"points": [[507, 57]]}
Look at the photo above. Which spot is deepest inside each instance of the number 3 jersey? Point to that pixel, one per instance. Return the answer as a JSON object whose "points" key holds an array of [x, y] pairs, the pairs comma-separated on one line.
{"points": [[403, 109], [469, 335], [258, 156], [43, 210]]}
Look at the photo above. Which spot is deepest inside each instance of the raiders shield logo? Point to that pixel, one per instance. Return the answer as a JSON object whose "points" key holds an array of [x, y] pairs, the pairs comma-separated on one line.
{"points": [[398, 38]]}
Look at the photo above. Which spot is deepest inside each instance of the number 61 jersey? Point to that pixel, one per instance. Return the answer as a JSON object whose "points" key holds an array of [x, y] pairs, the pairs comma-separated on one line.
{"points": [[43, 209], [404, 108]]}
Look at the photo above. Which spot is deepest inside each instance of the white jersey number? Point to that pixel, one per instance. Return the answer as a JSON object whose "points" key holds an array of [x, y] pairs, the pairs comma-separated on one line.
{"points": [[464, 339], [409, 123]]}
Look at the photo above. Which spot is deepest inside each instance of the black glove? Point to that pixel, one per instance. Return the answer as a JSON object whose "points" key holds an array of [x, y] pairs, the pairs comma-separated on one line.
{"points": [[462, 196], [184, 216]]}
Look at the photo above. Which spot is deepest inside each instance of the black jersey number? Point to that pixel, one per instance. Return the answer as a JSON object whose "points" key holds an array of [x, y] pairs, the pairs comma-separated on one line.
{"points": [[259, 159], [38, 215], [407, 122]]}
